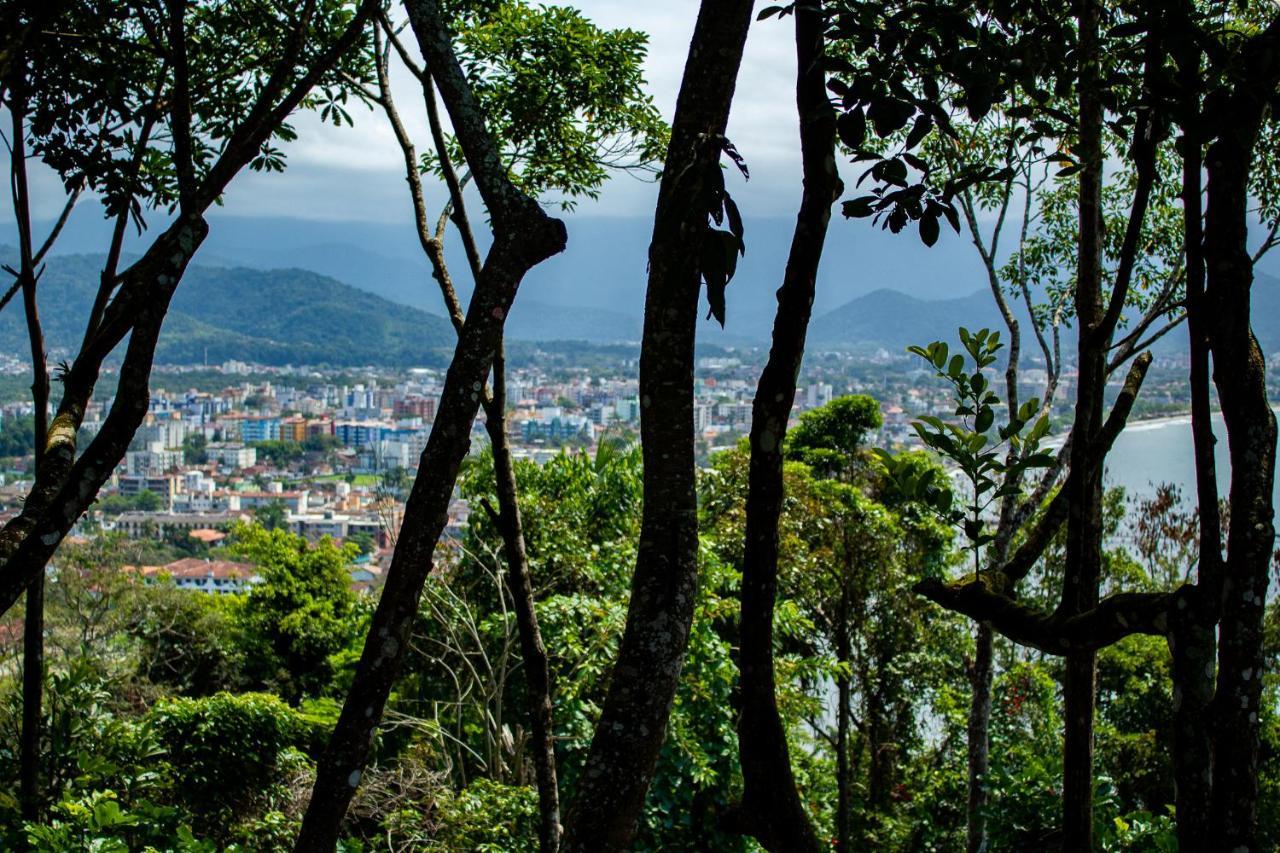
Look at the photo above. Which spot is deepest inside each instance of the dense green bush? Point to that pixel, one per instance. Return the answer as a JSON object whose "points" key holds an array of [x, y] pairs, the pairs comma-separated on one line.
{"points": [[227, 752]]}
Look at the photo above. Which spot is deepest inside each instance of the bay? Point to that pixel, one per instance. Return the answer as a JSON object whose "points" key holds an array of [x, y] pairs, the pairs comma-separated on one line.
{"points": [[1157, 451]]}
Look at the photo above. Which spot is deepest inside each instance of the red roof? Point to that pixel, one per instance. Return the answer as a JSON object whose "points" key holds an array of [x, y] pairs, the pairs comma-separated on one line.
{"points": [[194, 567]]}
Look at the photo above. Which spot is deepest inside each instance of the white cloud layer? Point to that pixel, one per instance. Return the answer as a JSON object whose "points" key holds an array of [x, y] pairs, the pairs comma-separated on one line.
{"points": [[356, 172]]}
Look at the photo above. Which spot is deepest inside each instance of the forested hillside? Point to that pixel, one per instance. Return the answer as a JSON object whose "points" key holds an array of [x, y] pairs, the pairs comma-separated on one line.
{"points": [[266, 316]]}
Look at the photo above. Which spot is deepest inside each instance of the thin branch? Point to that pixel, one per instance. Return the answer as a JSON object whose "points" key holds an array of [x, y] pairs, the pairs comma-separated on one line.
{"points": [[1145, 140], [1055, 514], [57, 226], [180, 107], [1268, 244]]}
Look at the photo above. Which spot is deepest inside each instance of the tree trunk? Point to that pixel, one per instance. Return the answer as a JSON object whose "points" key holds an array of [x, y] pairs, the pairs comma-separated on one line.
{"points": [[980, 680], [844, 713], [524, 236], [1192, 634], [1191, 645], [32, 697], [1084, 498], [1239, 372], [632, 725], [520, 586], [507, 518], [33, 621], [771, 808]]}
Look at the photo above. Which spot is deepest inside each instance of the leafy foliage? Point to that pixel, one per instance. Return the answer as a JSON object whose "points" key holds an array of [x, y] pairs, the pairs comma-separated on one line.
{"points": [[969, 442], [564, 96], [303, 613]]}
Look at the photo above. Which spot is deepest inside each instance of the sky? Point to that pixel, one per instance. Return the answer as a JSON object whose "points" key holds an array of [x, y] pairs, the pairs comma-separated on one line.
{"points": [[355, 173]]}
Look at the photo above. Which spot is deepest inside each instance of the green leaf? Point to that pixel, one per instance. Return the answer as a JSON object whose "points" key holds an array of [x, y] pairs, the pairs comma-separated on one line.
{"points": [[860, 207], [929, 229], [852, 128], [735, 220], [984, 420], [918, 132]]}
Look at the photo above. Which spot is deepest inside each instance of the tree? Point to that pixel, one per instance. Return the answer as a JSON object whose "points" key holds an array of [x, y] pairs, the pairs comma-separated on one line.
{"points": [[685, 249], [148, 501], [1131, 88], [771, 809], [148, 126], [272, 516], [524, 236], [302, 613], [194, 449], [93, 96]]}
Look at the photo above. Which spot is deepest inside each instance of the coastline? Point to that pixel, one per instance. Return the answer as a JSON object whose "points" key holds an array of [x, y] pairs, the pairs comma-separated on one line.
{"points": [[1151, 423]]}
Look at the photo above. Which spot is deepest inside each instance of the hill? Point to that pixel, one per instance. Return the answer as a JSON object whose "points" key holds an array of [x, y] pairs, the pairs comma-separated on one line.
{"points": [[892, 320], [287, 316]]}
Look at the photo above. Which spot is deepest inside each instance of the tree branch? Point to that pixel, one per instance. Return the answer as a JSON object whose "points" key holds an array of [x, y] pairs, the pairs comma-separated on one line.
{"points": [[1113, 619]]}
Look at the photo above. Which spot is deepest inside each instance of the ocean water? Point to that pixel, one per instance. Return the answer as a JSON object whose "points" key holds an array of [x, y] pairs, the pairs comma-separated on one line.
{"points": [[1161, 451]]}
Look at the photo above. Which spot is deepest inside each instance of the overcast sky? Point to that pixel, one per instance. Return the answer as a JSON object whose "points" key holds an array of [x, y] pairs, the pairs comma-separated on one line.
{"points": [[355, 173]]}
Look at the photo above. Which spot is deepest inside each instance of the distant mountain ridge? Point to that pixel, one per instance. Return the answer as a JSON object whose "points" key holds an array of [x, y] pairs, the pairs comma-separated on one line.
{"points": [[276, 317], [296, 316], [888, 319]]}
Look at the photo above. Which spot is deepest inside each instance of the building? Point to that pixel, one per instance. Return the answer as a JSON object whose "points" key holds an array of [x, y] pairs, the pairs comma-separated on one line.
{"points": [[556, 428], [164, 485], [294, 501], [818, 394], [259, 428], [138, 525], [221, 577], [293, 429], [154, 458], [361, 433], [233, 456], [415, 406], [701, 418]]}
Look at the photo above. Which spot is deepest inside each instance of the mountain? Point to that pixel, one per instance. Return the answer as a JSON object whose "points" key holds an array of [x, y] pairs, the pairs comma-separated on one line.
{"points": [[603, 268], [888, 319], [893, 320], [287, 316]]}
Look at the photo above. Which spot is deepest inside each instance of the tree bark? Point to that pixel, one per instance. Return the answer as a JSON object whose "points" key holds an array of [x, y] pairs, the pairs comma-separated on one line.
{"points": [[771, 808], [844, 714], [523, 237], [1239, 373], [1084, 497], [520, 585], [1193, 635], [979, 752], [33, 619], [632, 725], [507, 519]]}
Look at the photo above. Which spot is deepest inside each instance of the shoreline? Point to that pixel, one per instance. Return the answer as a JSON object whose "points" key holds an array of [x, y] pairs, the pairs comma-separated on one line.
{"points": [[1147, 424]]}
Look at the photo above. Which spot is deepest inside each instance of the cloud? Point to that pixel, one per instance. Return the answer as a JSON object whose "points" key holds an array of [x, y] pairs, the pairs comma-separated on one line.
{"points": [[357, 172]]}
